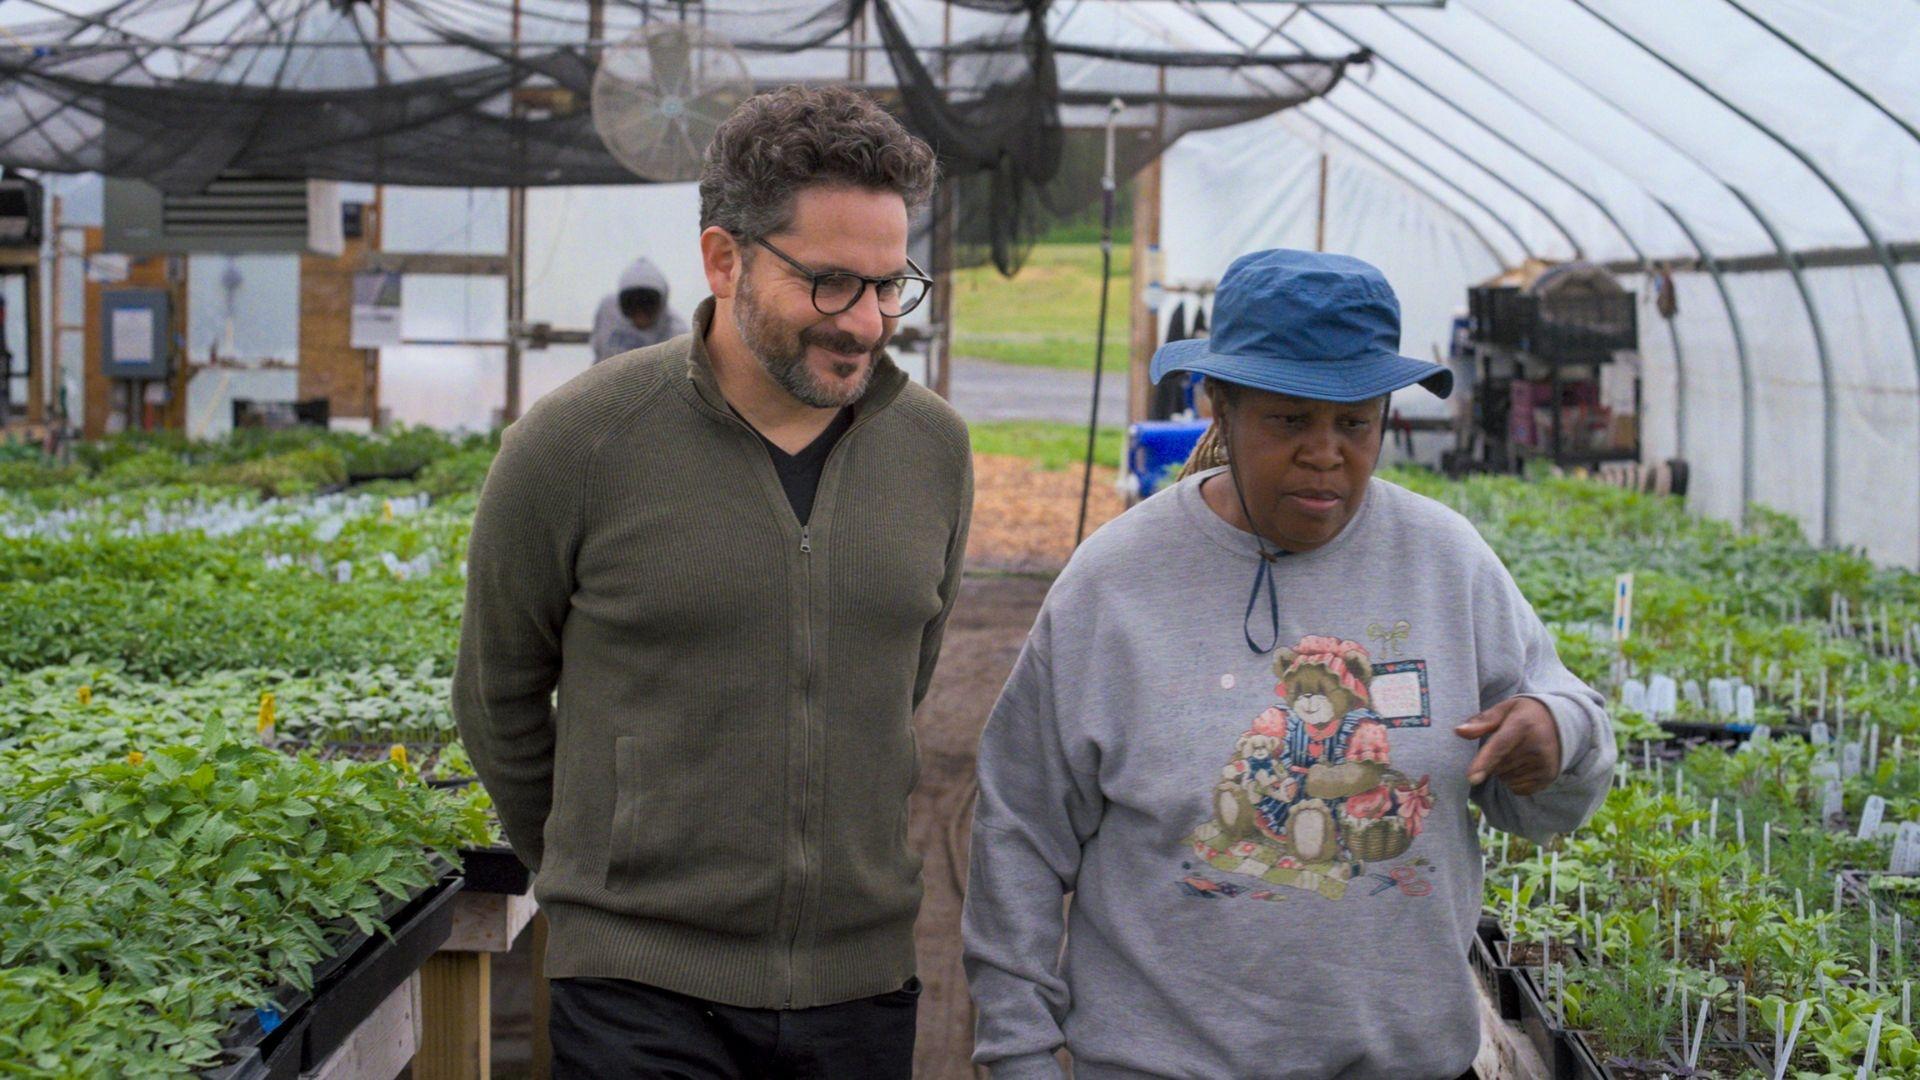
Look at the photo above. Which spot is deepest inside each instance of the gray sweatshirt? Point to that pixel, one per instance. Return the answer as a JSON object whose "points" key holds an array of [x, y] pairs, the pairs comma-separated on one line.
{"points": [[614, 333], [1272, 866]]}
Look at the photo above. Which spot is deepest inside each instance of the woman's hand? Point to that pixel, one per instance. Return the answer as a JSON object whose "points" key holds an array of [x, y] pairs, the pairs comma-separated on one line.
{"points": [[1522, 745]]}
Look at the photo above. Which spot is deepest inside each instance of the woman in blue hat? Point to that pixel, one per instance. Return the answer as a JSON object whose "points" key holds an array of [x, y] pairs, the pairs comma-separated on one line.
{"points": [[1247, 728]]}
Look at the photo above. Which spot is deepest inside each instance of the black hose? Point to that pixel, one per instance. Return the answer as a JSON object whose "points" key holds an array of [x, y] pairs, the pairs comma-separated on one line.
{"points": [[1099, 353]]}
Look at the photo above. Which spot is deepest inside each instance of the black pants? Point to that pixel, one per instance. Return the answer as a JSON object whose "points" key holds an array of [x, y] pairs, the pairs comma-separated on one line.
{"points": [[613, 1029]]}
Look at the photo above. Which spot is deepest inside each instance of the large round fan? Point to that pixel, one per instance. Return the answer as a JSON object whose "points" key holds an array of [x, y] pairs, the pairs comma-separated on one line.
{"points": [[660, 95]]}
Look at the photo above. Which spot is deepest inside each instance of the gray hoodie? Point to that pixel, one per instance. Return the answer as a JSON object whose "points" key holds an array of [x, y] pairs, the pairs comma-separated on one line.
{"points": [[614, 333], [1272, 863]]}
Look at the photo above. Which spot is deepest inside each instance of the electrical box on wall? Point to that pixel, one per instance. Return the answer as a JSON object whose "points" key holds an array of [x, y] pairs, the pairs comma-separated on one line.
{"points": [[136, 331], [234, 214], [20, 201]]}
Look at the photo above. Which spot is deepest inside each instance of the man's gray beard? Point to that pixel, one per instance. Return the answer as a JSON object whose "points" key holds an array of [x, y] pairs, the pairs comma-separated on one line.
{"points": [[785, 360]]}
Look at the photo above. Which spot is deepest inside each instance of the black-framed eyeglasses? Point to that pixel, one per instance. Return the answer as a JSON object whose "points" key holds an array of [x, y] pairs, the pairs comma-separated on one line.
{"points": [[837, 290]]}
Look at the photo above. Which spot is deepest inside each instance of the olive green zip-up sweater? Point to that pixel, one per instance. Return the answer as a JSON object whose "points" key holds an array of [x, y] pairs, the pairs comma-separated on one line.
{"points": [[715, 800]]}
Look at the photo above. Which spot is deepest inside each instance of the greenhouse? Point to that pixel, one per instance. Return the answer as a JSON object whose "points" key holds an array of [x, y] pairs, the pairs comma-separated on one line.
{"points": [[518, 558]]}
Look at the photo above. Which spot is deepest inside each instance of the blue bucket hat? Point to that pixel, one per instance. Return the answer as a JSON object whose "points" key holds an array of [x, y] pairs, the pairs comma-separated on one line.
{"points": [[1306, 324]]}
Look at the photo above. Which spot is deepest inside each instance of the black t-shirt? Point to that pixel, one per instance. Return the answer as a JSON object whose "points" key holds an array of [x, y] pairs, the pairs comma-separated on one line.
{"points": [[800, 473]]}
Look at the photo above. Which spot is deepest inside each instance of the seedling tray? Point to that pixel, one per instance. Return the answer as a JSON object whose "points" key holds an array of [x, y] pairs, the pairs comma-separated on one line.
{"points": [[354, 941], [1564, 1054], [236, 1063], [494, 869], [360, 985], [1753, 1060], [281, 1052], [253, 1027], [1568, 1056], [1488, 957]]}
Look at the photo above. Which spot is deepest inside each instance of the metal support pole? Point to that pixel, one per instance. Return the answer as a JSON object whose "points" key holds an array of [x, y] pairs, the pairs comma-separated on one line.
{"points": [[516, 296], [516, 250], [1320, 213]]}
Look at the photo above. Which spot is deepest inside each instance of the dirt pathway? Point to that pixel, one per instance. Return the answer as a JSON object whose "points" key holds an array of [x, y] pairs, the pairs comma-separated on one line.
{"points": [[988, 626]]}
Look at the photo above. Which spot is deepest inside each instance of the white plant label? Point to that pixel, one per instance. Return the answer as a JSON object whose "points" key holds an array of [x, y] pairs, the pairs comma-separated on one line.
{"points": [[1906, 849], [1875, 809], [1662, 695], [1633, 696], [1720, 692], [1833, 807]]}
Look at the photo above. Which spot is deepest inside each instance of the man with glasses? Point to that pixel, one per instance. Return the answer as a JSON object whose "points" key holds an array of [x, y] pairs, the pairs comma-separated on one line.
{"points": [[732, 556]]}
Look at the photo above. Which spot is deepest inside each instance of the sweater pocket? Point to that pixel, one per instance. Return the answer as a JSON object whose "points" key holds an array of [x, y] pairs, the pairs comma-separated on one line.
{"points": [[655, 814], [682, 845]]}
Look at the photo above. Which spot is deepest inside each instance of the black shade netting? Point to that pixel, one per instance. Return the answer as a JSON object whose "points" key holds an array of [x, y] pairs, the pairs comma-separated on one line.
{"points": [[493, 93]]}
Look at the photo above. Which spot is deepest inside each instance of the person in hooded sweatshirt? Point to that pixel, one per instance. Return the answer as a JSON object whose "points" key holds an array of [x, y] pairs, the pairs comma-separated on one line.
{"points": [[637, 315]]}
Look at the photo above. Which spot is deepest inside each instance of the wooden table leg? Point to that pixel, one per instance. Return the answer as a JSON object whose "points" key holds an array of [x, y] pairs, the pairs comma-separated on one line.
{"points": [[542, 1047], [457, 1003]]}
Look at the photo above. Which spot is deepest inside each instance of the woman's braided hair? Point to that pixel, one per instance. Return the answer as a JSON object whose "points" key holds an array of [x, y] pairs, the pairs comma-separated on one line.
{"points": [[1211, 451]]}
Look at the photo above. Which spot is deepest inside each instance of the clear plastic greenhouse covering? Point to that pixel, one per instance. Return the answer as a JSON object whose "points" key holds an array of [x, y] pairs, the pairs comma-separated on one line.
{"points": [[177, 92], [1767, 152]]}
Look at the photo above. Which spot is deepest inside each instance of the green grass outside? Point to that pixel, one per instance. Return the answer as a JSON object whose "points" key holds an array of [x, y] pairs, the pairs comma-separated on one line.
{"points": [[1048, 444], [1044, 316]]}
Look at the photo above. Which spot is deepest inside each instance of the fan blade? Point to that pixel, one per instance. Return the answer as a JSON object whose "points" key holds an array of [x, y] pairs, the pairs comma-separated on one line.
{"points": [[667, 51]]}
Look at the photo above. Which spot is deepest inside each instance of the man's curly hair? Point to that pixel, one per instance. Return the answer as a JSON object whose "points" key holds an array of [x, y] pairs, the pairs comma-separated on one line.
{"points": [[796, 137]]}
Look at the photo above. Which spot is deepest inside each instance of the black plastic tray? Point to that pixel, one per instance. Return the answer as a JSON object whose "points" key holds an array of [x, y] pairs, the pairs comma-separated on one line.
{"points": [[1487, 956], [1563, 1052], [282, 1051], [1566, 1053], [359, 986], [353, 940], [494, 869], [236, 1063], [247, 1028]]}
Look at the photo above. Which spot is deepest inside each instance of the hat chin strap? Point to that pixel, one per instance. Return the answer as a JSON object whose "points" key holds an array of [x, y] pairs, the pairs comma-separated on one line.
{"points": [[1262, 575]]}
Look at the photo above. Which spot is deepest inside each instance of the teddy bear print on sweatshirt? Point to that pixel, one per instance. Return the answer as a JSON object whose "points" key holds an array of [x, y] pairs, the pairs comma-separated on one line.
{"points": [[1310, 795]]}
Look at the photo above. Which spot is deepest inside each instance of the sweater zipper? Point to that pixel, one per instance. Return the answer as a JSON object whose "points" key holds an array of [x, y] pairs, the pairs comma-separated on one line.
{"points": [[806, 550], [806, 770]]}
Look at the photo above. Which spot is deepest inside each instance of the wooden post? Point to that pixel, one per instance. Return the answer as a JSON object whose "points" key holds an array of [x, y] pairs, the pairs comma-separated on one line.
{"points": [[174, 415], [940, 354], [1144, 324], [456, 1004], [542, 1043], [456, 994], [96, 393], [34, 343], [57, 379]]}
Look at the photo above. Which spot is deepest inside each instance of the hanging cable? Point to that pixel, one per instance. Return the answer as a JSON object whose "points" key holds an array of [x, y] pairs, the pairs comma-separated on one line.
{"points": [[1100, 335]]}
